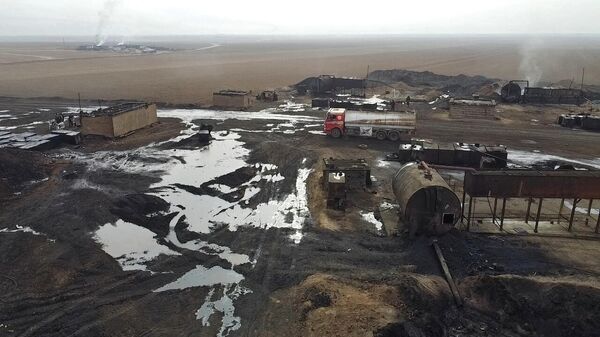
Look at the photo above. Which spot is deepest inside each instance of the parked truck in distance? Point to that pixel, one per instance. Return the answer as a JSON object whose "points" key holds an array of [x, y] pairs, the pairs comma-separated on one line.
{"points": [[382, 125]]}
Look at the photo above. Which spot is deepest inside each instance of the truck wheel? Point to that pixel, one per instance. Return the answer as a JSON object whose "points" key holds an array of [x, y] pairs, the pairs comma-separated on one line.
{"points": [[394, 136], [336, 133], [380, 135]]}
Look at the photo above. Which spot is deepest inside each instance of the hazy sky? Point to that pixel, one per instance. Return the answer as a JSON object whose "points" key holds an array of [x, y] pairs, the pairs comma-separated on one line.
{"points": [[158, 17]]}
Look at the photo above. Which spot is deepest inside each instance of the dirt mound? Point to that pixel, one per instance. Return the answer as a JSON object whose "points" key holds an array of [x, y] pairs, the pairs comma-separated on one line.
{"points": [[331, 306], [19, 168], [460, 85], [536, 307]]}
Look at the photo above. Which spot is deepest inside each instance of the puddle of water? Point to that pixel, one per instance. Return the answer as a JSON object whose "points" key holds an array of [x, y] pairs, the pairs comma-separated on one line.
{"points": [[223, 305], [201, 276], [189, 115], [582, 210], [223, 188], [21, 229], [132, 246], [530, 158], [370, 217], [224, 155]]}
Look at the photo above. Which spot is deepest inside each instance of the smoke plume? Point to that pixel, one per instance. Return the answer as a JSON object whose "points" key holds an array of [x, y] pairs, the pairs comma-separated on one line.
{"points": [[104, 17], [530, 67]]}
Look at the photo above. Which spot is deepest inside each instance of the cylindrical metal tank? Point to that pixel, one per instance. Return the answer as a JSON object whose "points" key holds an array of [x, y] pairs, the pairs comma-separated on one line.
{"points": [[511, 92], [427, 204]]}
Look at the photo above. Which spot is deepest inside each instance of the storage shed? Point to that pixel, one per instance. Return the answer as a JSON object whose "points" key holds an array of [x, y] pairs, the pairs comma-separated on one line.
{"points": [[118, 120]]}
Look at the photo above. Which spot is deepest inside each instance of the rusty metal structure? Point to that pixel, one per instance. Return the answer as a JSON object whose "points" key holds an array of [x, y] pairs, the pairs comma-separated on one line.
{"points": [[427, 204], [531, 184], [520, 92], [584, 121], [357, 173], [453, 154], [336, 190]]}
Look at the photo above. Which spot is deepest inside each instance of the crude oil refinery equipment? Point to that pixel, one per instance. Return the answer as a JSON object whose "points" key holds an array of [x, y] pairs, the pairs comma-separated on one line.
{"points": [[427, 204]]}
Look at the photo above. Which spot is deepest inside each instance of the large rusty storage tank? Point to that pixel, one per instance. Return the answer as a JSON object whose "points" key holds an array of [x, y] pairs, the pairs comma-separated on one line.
{"points": [[511, 92], [427, 204]]}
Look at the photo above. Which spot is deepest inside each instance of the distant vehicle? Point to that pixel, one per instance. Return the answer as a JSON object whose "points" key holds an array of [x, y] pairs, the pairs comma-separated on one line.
{"points": [[378, 124]]}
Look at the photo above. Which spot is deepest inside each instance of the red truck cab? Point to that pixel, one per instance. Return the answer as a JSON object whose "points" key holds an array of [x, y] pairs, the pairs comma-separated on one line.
{"points": [[334, 122]]}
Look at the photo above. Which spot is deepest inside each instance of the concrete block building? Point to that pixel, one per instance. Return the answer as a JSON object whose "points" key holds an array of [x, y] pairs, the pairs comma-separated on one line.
{"points": [[234, 99], [118, 120]]}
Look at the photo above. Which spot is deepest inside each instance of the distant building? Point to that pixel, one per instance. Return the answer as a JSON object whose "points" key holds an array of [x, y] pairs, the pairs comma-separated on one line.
{"points": [[331, 85], [118, 120], [268, 96], [235, 99], [471, 108]]}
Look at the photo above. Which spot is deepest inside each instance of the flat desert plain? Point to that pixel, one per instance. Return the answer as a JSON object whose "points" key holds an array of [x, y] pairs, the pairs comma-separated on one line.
{"points": [[201, 65]]}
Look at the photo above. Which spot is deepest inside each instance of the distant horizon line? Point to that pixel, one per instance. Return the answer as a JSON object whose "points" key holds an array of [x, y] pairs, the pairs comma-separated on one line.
{"points": [[297, 35]]}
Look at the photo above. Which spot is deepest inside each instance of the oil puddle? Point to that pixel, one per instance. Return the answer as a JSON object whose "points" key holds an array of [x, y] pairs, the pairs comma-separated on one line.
{"points": [[131, 245]]}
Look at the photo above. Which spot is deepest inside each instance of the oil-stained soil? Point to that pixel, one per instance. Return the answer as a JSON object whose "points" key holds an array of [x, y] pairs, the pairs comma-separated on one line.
{"points": [[305, 271]]}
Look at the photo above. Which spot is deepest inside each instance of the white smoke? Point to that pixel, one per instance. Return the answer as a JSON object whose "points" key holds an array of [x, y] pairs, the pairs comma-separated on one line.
{"points": [[530, 68], [104, 17]]}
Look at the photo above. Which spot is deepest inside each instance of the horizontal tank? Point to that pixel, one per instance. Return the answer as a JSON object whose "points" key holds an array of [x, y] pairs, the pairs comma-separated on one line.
{"points": [[511, 92], [427, 204]]}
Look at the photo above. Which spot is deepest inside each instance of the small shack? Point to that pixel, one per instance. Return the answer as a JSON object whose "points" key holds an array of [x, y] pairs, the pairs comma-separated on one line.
{"points": [[235, 99], [471, 108], [119, 120]]}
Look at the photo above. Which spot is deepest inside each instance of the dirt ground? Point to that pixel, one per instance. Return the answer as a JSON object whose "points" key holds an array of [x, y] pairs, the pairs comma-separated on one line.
{"points": [[344, 278], [191, 74]]}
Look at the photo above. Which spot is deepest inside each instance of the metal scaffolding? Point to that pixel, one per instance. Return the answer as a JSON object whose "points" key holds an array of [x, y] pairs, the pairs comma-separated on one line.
{"points": [[530, 185]]}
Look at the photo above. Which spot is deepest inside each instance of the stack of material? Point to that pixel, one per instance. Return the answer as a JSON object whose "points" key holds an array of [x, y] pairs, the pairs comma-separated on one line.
{"points": [[466, 108]]}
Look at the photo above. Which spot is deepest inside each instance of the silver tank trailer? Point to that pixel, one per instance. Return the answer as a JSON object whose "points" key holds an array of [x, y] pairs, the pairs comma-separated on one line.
{"points": [[427, 204]]}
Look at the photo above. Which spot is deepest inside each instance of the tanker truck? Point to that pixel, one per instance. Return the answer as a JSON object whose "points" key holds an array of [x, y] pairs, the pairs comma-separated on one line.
{"points": [[382, 125]]}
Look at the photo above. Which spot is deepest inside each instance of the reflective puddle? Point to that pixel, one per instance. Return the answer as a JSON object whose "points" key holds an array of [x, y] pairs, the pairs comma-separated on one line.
{"points": [[208, 187]]}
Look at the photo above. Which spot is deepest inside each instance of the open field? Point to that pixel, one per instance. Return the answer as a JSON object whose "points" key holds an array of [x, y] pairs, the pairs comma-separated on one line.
{"points": [[201, 66]]}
